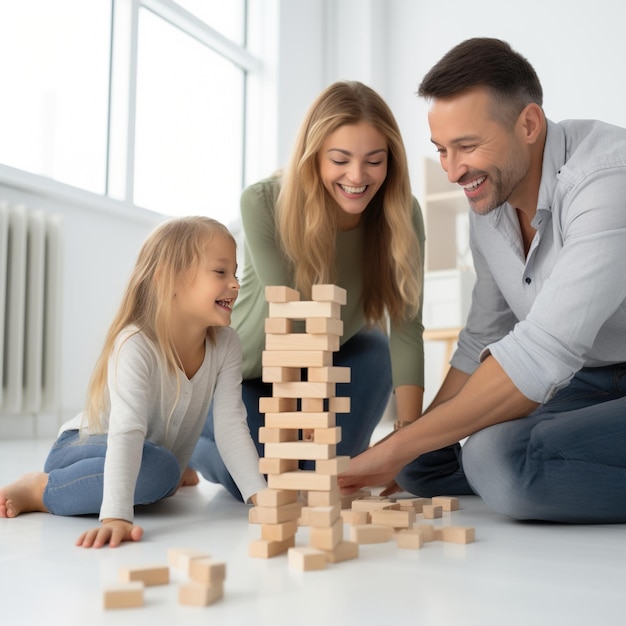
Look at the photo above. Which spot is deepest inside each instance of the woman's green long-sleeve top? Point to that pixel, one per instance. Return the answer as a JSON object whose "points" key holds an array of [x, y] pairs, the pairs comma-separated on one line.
{"points": [[264, 264]]}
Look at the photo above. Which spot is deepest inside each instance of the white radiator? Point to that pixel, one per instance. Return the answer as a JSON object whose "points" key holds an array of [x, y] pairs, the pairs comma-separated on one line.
{"points": [[30, 310]]}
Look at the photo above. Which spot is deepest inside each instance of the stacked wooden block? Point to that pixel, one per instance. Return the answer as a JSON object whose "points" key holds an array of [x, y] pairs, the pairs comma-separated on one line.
{"points": [[300, 425]]}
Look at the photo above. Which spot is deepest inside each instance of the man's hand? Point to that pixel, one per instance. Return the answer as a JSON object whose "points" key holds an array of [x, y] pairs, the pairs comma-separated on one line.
{"points": [[112, 531]]}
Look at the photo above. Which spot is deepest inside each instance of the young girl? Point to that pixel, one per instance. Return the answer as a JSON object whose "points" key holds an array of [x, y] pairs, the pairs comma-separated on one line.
{"points": [[168, 355], [342, 212]]}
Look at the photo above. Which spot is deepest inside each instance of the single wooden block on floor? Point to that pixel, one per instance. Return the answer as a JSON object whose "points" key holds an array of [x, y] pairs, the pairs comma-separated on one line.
{"points": [[326, 537], [180, 558], [345, 551], [207, 571], [431, 512], [370, 533], [394, 518], [280, 532], [152, 575], [277, 466], [329, 293], [123, 595], [264, 549], [427, 530], [306, 559], [446, 503], [410, 538], [374, 505], [458, 534], [413, 503], [280, 293], [349, 498], [275, 497], [198, 594]]}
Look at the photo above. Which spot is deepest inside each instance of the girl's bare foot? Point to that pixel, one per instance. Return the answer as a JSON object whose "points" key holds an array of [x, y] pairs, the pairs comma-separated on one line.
{"points": [[25, 495], [189, 478]]}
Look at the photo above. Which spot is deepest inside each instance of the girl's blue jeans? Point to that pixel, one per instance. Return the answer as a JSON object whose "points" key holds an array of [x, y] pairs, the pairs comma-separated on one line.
{"points": [[367, 356], [565, 462], [75, 471]]}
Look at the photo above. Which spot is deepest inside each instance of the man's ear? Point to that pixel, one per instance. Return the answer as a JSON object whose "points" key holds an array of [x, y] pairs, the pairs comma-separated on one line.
{"points": [[531, 122]]}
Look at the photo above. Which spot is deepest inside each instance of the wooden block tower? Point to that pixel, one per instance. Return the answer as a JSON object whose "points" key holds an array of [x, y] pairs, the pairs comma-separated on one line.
{"points": [[300, 425]]}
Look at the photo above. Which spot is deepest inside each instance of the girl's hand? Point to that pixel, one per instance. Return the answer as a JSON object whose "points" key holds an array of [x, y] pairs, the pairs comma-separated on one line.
{"points": [[112, 531]]}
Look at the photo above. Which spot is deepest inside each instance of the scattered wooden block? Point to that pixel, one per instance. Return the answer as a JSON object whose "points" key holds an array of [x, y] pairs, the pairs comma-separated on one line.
{"points": [[264, 549], [207, 571], [446, 503], [123, 595], [427, 530], [370, 533], [349, 498], [410, 538], [458, 534], [198, 594], [180, 558], [403, 518], [414, 503], [152, 575], [306, 559], [373, 505], [279, 293], [431, 512]]}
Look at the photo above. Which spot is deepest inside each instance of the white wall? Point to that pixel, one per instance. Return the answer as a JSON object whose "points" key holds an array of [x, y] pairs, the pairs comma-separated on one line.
{"points": [[578, 49]]}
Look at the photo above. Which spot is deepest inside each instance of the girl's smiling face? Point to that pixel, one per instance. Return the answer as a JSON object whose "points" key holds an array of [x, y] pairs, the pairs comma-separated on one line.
{"points": [[353, 166]]}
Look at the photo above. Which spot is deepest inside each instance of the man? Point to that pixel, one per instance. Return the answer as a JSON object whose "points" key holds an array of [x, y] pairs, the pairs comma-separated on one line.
{"points": [[538, 381]]}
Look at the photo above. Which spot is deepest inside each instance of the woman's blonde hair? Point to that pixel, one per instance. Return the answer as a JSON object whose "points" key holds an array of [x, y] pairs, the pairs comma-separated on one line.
{"points": [[173, 248], [306, 216]]}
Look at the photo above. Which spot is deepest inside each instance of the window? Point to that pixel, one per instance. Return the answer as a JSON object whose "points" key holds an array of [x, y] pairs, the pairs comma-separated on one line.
{"points": [[141, 100]]}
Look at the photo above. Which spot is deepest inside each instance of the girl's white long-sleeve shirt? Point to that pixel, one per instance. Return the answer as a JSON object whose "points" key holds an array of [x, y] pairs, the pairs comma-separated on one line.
{"points": [[147, 403]]}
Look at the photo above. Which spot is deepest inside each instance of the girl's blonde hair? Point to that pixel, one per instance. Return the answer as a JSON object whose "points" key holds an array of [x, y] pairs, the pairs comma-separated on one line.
{"points": [[173, 248], [306, 217]]}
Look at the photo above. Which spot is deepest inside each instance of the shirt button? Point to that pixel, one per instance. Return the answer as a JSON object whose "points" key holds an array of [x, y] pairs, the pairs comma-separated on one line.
{"points": [[528, 280]]}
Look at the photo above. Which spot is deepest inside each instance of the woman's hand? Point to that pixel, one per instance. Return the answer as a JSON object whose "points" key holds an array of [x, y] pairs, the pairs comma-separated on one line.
{"points": [[112, 531]]}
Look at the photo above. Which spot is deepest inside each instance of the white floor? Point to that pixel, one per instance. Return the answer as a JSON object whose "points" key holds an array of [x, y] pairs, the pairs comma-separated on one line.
{"points": [[514, 574]]}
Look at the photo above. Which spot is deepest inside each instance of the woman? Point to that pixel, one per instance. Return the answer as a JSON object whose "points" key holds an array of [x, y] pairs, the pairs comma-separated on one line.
{"points": [[342, 213]]}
